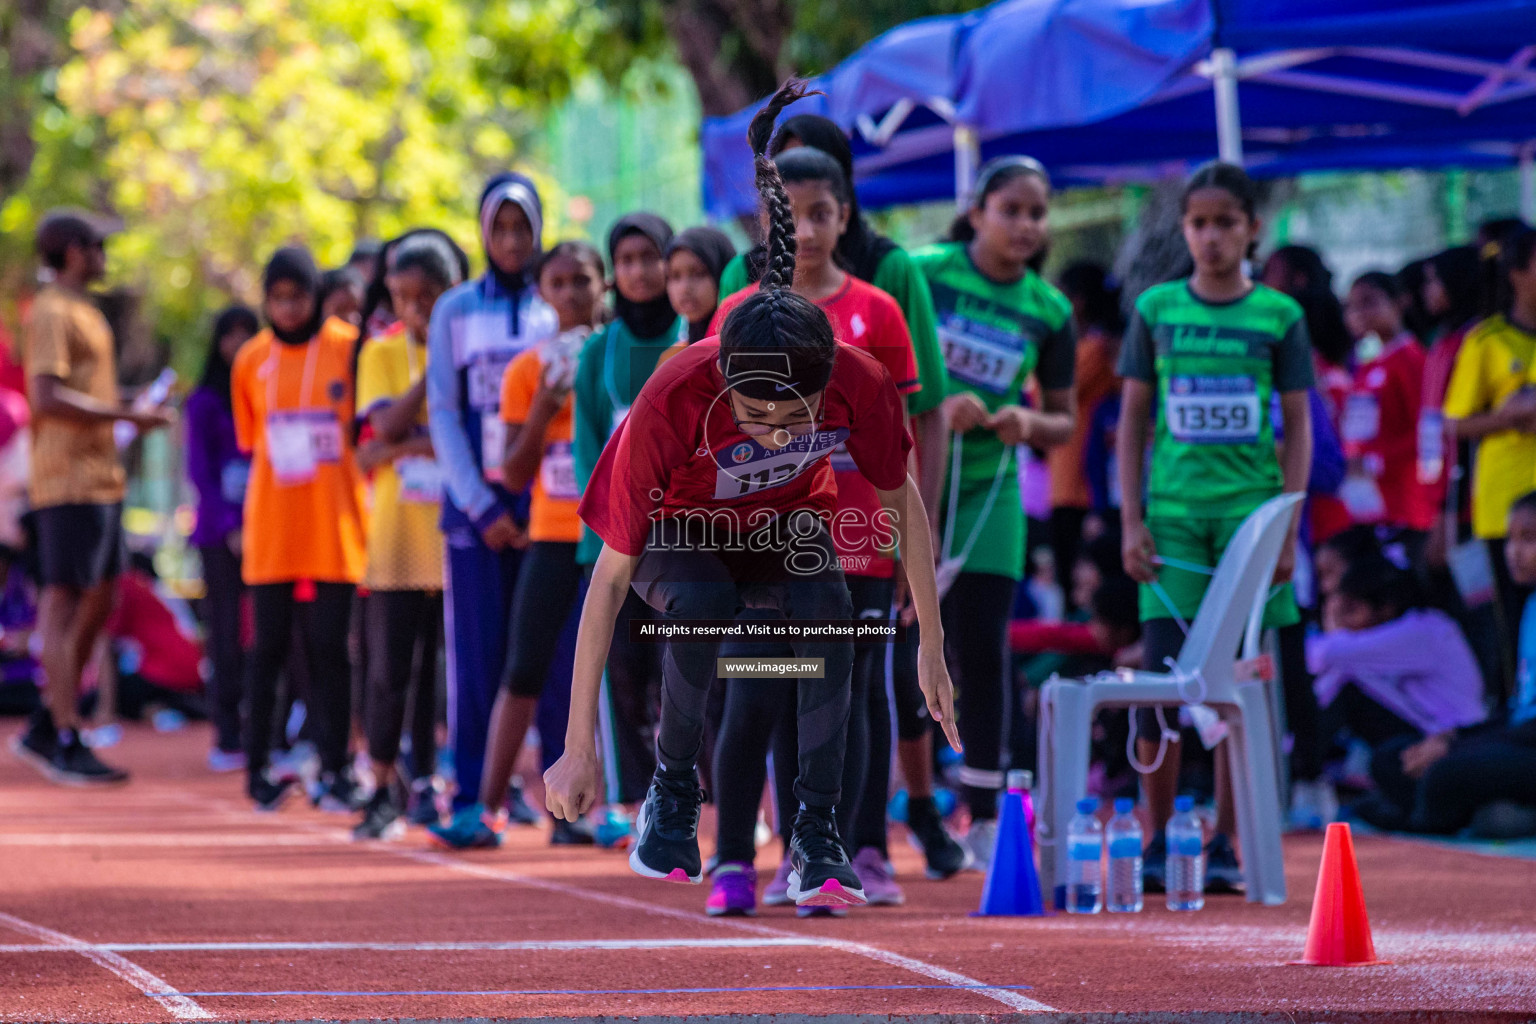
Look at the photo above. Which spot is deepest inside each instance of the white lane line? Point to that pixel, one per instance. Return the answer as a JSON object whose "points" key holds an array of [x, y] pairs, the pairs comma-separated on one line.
{"points": [[1012, 999], [149, 984], [422, 947]]}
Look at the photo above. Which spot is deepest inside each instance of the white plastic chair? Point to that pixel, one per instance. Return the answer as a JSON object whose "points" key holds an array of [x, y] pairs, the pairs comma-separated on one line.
{"points": [[1203, 673]]}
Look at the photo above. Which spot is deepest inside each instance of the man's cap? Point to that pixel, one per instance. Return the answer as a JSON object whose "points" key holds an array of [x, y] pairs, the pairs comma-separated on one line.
{"points": [[66, 226]]}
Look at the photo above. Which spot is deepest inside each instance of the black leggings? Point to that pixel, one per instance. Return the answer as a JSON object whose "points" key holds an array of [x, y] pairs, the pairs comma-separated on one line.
{"points": [[910, 707], [404, 630], [975, 614], [324, 627], [223, 592], [791, 566], [631, 702], [547, 587], [867, 764], [1482, 767]]}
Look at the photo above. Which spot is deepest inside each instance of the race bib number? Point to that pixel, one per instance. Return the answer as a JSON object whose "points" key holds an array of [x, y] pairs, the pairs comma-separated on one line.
{"points": [[1362, 419], [493, 445], [1213, 410], [1431, 446], [484, 382], [299, 440], [746, 467], [557, 471], [233, 480], [421, 480], [989, 360]]}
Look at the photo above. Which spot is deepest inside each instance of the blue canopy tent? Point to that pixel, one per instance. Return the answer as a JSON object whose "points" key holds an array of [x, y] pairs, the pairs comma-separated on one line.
{"points": [[1107, 90]]}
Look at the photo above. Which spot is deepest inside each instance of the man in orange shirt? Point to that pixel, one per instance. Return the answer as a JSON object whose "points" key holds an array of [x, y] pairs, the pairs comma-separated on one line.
{"points": [[77, 485]]}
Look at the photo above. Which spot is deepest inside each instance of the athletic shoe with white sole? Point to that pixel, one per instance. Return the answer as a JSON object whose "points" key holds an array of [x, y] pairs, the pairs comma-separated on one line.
{"points": [[668, 829], [776, 892], [470, 828], [222, 761], [381, 817], [820, 875], [979, 841], [38, 743], [1313, 805], [75, 764], [874, 873], [267, 795]]}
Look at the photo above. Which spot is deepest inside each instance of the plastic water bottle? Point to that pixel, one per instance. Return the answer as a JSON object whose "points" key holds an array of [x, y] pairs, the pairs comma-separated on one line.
{"points": [[1123, 835], [1186, 857], [1085, 850]]}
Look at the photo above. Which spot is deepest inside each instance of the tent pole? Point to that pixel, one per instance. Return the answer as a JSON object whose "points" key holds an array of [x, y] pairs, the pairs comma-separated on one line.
{"points": [[1528, 182], [967, 159], [1229, 122]]}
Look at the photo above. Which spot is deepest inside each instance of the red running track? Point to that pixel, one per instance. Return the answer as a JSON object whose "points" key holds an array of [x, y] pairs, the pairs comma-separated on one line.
{"points": [[169, 899]]}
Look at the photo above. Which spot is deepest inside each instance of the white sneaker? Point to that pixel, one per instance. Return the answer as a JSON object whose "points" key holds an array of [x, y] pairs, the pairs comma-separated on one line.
{"points": [[1314, 805], [979, 842]]}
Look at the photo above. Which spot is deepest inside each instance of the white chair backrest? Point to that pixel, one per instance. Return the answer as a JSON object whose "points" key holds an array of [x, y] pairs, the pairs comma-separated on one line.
{"points": [[1242, 580]]}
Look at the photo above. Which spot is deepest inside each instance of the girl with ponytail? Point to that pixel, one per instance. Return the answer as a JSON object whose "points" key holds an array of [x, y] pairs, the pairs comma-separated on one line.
{"points": [[715, 493]]}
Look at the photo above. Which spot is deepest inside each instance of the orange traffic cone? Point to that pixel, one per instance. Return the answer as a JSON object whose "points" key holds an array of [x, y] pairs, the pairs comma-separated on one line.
{"points": [[1340, 933]]}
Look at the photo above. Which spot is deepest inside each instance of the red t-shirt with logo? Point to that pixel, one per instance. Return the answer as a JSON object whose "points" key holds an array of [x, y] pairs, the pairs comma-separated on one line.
{"points": [[1380, 426], [679, 451], [866, 318]]}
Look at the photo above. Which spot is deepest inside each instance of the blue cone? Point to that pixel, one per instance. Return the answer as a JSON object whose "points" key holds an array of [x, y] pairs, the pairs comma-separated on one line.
{"points": [[1013, 884]]}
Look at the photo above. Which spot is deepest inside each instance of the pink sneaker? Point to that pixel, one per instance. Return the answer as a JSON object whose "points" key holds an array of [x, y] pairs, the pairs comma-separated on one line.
{"points": [[880, 889], [733, 892], [777, 892]]}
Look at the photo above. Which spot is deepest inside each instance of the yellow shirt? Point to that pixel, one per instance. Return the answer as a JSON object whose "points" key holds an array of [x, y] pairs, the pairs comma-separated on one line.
{"points": [[405, 545], [73, 463], [1495, 361]]}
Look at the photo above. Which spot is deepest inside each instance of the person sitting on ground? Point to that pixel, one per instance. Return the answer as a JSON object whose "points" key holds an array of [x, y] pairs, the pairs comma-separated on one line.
{"points": [[1483, 777], [1385, 666], [155, 655]]}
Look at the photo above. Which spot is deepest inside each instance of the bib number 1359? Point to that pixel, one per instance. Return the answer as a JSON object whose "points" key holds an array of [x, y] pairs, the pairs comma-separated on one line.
{"points": [[1221, 410]]}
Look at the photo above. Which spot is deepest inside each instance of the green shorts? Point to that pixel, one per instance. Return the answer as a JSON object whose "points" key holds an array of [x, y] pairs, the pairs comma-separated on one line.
{"points": [[1201, 542]]}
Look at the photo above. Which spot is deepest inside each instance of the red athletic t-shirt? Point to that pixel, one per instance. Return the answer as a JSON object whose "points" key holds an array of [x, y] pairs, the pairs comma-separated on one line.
{"points": [[865, 317], [679, 450], [1380, 426]]}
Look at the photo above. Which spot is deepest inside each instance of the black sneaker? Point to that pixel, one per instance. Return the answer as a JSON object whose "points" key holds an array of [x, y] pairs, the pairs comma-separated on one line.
{"points": [[1154, 865], [267, 795], [943, 852], [338, 793], [572, 833], [1223, 875], [519, 810], [75, 764], [38, 743], [423, 803], [668, 827], [820, 875], [381, 817]]}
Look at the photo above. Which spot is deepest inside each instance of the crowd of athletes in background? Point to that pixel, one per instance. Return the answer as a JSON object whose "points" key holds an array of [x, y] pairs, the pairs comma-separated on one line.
{"points": [[386, 460]]}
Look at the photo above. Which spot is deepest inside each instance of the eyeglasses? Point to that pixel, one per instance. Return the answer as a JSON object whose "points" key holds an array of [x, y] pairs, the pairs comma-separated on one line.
{"points": [[797, 428]]}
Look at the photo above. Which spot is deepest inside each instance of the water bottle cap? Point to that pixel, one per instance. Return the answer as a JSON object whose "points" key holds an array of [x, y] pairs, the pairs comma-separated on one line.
{"points": [[1021, 778], [1088, 805], [1124, 805], [1184, 804]]}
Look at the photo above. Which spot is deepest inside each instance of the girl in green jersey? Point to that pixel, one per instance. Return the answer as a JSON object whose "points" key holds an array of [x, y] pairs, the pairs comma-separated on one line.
{"points": [[999, 324], [1201, 362]]}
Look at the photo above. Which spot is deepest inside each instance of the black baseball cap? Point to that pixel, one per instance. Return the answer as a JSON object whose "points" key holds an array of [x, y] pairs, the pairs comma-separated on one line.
{"points": [[66, 226]]}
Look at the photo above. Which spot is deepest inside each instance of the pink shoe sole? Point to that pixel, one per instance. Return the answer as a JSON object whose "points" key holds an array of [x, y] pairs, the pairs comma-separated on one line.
{"points": [[832, 894]]}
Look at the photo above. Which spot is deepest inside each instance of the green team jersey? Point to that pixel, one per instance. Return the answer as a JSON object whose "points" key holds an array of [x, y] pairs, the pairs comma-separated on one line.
{"points": [[899, 278], [614, 365], [1214, 369], [993, 337]]}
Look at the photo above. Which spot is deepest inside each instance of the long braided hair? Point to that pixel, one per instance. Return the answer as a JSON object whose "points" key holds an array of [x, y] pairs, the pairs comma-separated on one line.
{"points": [[776, 340]]}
